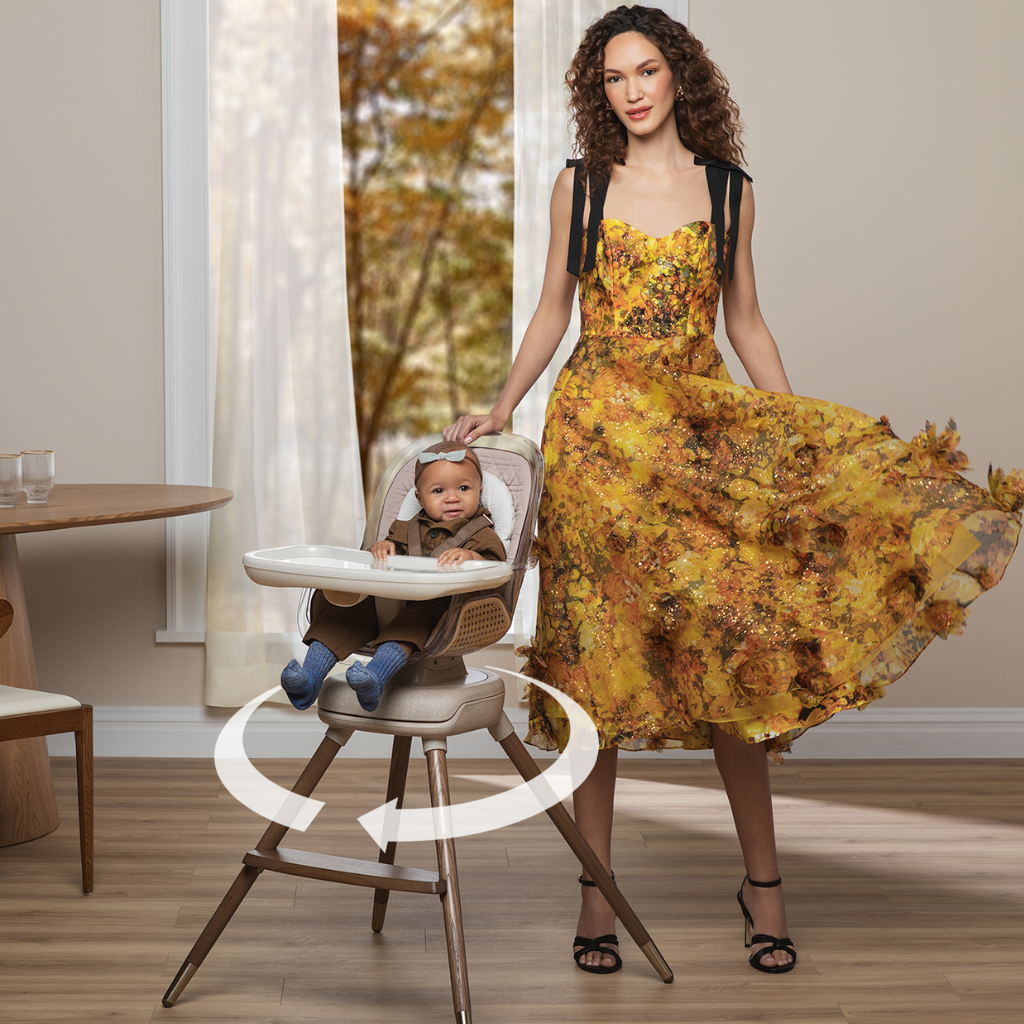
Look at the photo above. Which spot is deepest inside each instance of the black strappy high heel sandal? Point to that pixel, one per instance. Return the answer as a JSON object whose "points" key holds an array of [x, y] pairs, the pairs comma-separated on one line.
{"points": [[786, 945], [596, 945]]}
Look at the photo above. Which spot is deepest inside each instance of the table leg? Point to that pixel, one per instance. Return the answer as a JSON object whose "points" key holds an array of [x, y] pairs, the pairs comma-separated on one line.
{"points": [[28, 809]]}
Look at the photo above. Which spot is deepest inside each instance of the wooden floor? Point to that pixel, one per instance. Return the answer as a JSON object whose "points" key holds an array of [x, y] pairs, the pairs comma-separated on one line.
{"points": [[904, 881]]}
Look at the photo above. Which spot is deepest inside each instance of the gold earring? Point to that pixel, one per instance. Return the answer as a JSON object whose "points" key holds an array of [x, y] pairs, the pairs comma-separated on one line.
{"points": [[679, 93]]}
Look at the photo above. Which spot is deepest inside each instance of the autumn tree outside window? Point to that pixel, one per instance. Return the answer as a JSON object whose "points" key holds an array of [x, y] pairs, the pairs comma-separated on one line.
{"points": [[426, 107]]}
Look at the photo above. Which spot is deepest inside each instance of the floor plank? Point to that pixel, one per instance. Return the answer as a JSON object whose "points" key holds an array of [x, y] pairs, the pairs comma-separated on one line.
{"points": [[903, 881]]}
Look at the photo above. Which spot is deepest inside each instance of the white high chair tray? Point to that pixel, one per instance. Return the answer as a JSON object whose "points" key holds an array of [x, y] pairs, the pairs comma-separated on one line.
{"points": [[347, 570]]}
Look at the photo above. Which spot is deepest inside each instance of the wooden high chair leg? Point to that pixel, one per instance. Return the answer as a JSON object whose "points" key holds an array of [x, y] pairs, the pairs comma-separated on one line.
{"points": [[396, 791], [528, 769], [311, 775], [451, 903]]}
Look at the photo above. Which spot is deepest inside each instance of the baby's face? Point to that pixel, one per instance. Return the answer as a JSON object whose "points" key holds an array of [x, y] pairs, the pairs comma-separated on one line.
{"points": [[449, 490]]}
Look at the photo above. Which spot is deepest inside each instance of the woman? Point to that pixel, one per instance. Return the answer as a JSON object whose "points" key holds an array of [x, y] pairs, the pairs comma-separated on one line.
{"points": [[721, 566]]}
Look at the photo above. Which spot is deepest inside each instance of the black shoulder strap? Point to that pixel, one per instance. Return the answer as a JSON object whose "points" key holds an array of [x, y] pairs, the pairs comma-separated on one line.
{"points": [[579, 199], [724, 177]]}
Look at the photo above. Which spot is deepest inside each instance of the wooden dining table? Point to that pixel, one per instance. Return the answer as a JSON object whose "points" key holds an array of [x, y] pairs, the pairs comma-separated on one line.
{"points": [[28, 809]]}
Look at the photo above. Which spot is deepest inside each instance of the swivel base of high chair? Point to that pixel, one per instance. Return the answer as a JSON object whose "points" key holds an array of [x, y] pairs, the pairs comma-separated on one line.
{"points": [[433, 699]]}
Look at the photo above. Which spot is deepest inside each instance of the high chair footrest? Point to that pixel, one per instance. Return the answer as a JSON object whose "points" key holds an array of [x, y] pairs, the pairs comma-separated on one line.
{"points": [[346, 870]]}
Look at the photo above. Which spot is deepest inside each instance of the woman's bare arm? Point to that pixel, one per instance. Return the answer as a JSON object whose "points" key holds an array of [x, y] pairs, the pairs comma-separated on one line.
{"points": [[546, 329], [747, 331]]}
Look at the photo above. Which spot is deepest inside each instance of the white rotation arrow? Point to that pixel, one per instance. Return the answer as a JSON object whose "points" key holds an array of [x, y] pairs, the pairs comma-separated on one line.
{"points": [[387, 823], [248, 786]]}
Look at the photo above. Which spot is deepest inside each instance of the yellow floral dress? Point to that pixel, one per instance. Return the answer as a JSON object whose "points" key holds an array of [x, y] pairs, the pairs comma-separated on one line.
{"points": [[715, 554]]}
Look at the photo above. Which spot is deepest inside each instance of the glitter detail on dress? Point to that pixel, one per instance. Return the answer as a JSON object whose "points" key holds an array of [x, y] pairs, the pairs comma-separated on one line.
{"points": [[711, 553]]}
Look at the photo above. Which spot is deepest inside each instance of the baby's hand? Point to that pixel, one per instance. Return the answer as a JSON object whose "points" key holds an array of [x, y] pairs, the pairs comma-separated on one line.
{"points": [[382, 549], [456, 556]]}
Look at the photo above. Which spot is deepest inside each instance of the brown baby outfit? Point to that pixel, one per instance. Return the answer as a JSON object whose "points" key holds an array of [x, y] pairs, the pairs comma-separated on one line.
{"points": [[344, 630]]}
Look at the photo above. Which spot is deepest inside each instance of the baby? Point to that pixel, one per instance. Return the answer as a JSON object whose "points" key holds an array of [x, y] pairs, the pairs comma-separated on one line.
{"points": [[452, 527]]}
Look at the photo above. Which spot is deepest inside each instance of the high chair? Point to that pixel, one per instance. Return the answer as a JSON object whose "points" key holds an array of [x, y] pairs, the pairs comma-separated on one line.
{"points": [[433, 697]]}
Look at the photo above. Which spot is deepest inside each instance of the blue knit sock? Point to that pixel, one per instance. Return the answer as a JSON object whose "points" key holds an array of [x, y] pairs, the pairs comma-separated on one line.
{"points": [[370, 679], [302, 682]]}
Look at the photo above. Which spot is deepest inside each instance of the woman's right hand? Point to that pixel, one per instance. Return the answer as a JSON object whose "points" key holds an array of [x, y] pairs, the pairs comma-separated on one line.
{"points": [[467, 429]]}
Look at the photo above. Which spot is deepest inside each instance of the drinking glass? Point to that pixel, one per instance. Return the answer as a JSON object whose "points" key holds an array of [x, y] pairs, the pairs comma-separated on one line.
{"points": [[37, 475], [10, 479]]}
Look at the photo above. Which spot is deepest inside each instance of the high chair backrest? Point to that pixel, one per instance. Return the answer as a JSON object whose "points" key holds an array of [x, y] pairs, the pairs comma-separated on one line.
{"points": [[513, 474]]}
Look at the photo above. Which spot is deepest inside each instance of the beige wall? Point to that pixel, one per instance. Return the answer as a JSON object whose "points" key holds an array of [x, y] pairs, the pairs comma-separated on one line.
{"points": [[81, 293], [886, 144]]}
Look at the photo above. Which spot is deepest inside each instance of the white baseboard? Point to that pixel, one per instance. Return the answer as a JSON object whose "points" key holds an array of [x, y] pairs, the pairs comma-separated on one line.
{"points": [[281, 732]]}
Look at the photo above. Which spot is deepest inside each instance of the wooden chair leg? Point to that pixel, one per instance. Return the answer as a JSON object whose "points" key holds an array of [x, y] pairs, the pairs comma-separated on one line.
{"points": [[311, 775], [528, 769], [396, 791], [83, 766], [437, 776]]}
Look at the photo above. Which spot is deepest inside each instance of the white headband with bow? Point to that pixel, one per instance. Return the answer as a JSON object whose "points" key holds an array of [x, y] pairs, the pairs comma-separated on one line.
{"points": [[458, 456]]}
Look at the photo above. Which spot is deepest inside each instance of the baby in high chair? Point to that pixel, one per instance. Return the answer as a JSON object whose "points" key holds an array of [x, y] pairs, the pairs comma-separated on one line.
{"points": [[451, 526]]}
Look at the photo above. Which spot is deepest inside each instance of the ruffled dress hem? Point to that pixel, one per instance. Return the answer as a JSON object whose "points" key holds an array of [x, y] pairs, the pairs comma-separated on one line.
{"points": [[957, 575]]}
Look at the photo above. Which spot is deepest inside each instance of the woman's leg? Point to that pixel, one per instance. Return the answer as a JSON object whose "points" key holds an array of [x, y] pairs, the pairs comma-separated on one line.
{"points": [[744, 770], [593, 803]]}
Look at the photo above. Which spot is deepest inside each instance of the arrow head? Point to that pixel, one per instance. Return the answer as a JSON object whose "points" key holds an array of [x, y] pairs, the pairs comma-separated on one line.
{"points": [[382, 823]]}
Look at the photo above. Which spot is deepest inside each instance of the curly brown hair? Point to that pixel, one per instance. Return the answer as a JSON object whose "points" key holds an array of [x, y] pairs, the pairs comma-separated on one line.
{"points": [[707, 118]]}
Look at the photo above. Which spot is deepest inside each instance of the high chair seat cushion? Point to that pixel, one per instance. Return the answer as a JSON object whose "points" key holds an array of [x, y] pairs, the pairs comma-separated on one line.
{"points": [[496, 498], [430, 711], [16, 701]]}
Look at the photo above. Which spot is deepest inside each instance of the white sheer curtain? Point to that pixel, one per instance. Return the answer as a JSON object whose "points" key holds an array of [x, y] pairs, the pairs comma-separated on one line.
{"points": [[547, 33], [284, 437]]}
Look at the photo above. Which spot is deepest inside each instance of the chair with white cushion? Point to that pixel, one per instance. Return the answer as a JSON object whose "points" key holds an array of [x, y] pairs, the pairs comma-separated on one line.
{"points": [[26, 713], [433, 697]]}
